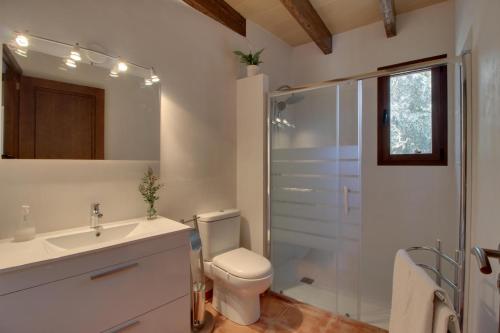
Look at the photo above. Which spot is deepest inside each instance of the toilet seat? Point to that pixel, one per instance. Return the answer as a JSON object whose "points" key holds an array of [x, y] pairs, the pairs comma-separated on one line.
{"points": [[244, 264], [239, 276]]}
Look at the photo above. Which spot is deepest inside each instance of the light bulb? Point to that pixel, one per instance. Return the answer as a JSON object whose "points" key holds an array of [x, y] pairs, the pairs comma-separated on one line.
{"points": [[154, 77], [122, 67], [22, 40], [75, 53], [70, 63], [22, 52], [114, 71], [148, 82], [75, 56], [285, 121], [278, 120]]}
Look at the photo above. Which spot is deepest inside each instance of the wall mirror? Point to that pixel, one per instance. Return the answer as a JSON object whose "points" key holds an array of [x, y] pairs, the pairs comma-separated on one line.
{"points": [[62, 101]]}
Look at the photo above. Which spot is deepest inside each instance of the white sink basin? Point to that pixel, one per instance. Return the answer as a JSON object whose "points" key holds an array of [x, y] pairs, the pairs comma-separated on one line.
{"points": [[61, 244], [91, 237]]}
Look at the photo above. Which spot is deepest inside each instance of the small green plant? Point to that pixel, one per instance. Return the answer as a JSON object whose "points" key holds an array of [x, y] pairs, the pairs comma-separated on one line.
{"points": [[149, 189], [250, 58]]}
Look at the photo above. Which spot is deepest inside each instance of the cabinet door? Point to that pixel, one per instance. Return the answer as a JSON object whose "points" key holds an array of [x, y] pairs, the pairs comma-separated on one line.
{"points": [[100, 299], [59, 120], [170, 318]]}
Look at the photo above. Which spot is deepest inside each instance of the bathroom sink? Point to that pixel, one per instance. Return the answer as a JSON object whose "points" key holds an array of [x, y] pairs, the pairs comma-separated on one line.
{"points": [[92, 237]]}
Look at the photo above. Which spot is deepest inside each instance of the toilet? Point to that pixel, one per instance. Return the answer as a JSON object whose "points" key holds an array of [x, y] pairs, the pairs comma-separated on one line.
{"points": [[239, 275]]}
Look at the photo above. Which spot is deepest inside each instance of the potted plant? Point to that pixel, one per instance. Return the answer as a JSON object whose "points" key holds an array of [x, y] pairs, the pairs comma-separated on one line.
{"points": [[252, 60], [149, 189]]}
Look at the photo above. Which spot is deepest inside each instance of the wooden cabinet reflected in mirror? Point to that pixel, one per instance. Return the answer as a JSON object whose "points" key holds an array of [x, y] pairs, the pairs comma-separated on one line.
{"points": [[48, 114]]}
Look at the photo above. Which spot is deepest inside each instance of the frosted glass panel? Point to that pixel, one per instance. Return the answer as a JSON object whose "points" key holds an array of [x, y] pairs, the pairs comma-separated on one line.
{"points": [[314, 174]]}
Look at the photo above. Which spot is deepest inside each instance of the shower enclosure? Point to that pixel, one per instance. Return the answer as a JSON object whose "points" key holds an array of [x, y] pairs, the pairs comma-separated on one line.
{"points": [[323, 250]]}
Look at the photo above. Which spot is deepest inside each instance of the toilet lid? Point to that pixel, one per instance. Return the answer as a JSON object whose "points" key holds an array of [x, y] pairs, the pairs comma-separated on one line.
{"points": [[244, 264]]}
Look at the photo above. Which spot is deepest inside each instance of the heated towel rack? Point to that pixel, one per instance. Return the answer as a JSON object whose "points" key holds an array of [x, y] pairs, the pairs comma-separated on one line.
{"points": [[456, 284]]}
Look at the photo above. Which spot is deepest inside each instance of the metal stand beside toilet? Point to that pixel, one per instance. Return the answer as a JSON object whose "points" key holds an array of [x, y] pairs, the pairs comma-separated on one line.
{"points": [[202, 321]]}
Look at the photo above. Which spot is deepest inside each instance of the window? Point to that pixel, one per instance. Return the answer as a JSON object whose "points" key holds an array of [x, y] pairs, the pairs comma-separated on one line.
{"points": [[412, 116]]}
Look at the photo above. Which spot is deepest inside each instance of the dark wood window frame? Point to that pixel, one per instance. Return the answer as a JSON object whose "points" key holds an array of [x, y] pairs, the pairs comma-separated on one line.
{"points": [[439, 155]]}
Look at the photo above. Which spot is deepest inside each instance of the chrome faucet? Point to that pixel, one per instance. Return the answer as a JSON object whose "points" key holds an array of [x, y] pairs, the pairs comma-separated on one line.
{"points": [[95, 216]]}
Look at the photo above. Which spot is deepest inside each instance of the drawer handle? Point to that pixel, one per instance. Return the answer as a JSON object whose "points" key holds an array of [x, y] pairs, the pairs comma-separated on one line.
{"points": [[123, 326], [116, 269]]}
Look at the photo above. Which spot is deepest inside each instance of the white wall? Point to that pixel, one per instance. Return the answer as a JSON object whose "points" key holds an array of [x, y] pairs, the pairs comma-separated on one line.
{"points": [[199, 120], [477, 28], [60, 192], [402, 205], [193, 56]]}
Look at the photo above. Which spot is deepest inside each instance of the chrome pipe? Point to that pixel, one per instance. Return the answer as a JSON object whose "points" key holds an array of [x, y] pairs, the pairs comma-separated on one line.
{"points": [[464, 171], [438, 261], [369, 75], [482, 260], [482, 256], [443, 278], [267, 235], [114, 57], [434, 250], [457, 293]]}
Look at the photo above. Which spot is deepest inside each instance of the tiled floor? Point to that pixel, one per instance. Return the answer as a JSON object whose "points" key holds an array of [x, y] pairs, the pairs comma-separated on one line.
{"points": [[282, 315], [371, 312]]}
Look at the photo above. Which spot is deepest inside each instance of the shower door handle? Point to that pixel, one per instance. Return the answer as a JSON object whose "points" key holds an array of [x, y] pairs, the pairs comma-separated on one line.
{"points": [[346, 200]]}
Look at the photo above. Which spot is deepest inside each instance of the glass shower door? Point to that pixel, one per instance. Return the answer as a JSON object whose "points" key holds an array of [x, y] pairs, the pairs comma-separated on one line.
{"points": [[316, 197]]}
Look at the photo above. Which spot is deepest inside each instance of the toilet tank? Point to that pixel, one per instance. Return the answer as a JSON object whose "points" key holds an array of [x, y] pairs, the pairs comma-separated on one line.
{"points": [[219, 232]]}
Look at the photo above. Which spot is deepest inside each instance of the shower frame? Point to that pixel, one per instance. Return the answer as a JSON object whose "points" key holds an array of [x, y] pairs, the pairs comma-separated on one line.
{"points": [[464, 143]]}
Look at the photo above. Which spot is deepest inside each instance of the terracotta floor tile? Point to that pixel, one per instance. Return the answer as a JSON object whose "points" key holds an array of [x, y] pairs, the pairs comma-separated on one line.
{"points": [[283, 315]]}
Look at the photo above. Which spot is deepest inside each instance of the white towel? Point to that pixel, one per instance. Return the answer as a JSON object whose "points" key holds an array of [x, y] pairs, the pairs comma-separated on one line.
{"points": [[442, 319], [413, 293]]}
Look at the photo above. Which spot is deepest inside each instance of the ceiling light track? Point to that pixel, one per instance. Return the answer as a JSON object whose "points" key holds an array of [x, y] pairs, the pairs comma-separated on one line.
{"points": [[22, 41]]}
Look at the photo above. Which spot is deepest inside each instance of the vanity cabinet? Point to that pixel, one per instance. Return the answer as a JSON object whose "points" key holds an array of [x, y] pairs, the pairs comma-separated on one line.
{"points": [[140, 287]]}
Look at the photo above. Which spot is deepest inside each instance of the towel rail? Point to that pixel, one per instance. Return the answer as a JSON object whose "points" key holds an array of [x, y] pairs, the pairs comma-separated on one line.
{"points": [[455, 285], [441, 276], [436, 251]]}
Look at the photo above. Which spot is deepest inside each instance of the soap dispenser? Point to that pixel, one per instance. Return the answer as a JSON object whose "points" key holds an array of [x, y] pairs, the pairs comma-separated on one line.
{"points": [[26, 228]]}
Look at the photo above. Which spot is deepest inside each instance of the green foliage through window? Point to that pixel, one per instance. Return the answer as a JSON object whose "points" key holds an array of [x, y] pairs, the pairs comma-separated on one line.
{"points": [[411, 113]]}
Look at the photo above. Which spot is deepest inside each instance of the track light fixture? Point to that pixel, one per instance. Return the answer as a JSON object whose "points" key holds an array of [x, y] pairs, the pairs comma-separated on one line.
{"points": [[21, 41], [154, 77]]}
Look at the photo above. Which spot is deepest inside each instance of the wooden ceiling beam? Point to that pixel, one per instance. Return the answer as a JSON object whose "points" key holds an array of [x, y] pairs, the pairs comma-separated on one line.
{"points": [[389, 15], [220, 11], [305, 14]]}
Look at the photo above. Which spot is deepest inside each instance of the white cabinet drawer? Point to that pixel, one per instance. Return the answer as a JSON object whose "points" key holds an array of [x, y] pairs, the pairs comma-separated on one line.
{"points": [[68, 267], [99, 299], [170, 318]]}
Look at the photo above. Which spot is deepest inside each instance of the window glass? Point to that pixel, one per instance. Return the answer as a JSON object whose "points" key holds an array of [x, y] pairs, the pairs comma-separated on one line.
{"points": [[411, 113]]}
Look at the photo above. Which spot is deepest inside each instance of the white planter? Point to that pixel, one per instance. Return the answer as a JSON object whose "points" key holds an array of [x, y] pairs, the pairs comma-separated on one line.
{"points": [[252, 70]]}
